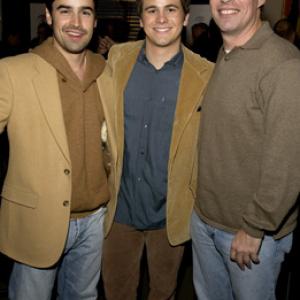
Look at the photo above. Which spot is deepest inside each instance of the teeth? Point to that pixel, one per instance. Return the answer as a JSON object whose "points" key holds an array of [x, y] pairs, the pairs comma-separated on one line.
{"points": [[228, 12], [162, 29], [74, 33]]}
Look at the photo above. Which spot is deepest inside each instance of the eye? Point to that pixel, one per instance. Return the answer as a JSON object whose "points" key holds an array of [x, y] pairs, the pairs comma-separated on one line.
{"points": [[64, 11], [87, 12], [172, 9], [151, 10]]}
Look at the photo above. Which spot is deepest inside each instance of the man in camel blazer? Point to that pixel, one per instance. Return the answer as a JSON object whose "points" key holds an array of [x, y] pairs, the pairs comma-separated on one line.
{"points": [[54, 196], [123, 85], [182, 170], [38, 143]]}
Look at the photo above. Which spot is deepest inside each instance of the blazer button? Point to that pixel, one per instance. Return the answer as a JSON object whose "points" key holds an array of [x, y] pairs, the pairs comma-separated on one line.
{"points": [[67, 171], [66, 203]]}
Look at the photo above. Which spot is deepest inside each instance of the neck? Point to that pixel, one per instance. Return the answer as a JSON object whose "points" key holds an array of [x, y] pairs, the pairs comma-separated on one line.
{"points": [[158, 56], [237, 40], [77, 61]]}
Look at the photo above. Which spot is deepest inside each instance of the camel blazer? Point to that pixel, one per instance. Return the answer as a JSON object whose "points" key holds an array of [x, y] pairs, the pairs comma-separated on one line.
{"points": [[35, 205], [182, 166]]}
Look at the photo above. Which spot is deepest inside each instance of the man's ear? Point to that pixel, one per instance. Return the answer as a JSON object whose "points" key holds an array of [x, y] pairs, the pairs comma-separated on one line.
{"points": [[186, 19], [261, 3], [141, 23], [48, 17]]}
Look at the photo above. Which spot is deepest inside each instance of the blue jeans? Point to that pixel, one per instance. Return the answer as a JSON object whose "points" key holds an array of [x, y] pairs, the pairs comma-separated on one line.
{"points": [[216, 277], [77, 271]]}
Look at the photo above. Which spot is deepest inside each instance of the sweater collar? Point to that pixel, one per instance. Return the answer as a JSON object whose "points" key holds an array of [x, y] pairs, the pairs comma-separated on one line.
{"points": [[94, 64], [259, 38], [256, 41]]}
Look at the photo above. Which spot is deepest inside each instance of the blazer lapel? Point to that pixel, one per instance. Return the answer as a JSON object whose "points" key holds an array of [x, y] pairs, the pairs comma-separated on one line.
{"points": [[189, 99], [47, 89], [123, 71]]}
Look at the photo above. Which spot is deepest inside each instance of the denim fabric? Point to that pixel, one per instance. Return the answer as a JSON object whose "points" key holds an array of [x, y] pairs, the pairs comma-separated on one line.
{"points": [[216, 277], [77, 271]]}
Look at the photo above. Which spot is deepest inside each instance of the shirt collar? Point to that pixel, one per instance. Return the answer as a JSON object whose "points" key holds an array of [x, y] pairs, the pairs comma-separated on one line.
{"points": [[255, 42], [259, 38], [174, 62]]}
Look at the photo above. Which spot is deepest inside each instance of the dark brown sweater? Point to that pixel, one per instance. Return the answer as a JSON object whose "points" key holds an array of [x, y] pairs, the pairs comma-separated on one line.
{"points": [[83, 116]]}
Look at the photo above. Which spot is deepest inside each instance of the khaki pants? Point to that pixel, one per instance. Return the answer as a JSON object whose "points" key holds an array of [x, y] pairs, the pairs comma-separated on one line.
{"points": [[122, 253]]}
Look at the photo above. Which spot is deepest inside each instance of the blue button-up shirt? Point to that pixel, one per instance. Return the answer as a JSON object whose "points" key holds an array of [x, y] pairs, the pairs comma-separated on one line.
{"points": [[149, 105]]}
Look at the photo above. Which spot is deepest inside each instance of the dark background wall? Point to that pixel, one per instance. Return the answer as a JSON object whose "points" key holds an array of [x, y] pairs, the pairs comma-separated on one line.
{"points": [[16, 17]]}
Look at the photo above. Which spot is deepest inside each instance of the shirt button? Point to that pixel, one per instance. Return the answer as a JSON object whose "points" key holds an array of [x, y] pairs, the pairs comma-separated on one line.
{"points": [[67, 171], [139, 179], [146, 126], [66, 203]]}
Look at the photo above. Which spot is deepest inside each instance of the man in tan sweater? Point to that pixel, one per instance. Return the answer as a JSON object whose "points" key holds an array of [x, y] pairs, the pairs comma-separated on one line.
{"points": [[249, 158], [55, 192]]}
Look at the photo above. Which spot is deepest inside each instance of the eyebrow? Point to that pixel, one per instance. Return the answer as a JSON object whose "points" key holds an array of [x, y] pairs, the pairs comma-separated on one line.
{"points": [[167, 6], [62, 6]]}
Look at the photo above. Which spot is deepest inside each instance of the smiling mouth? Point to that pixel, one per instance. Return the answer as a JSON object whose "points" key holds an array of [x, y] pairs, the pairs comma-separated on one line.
{"points": [[74, 34], [162, 29], [228, 11]]}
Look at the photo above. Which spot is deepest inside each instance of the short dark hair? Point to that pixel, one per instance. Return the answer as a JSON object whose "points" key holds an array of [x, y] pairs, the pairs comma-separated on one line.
{"points": [[48, 4], [185, 5]]}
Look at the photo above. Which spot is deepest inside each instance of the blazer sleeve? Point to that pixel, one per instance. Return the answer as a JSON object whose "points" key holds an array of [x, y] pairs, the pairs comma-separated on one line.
{"points": [[6, 95]]}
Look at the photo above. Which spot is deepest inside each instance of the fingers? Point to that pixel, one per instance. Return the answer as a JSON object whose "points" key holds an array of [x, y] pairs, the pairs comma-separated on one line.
{"points": [[109, 40], [254, 257], [244, 249], [105, 44], [244, 259]]}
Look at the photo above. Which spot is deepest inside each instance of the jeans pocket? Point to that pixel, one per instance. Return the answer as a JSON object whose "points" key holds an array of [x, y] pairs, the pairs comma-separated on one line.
{"points": [[285, 243]]}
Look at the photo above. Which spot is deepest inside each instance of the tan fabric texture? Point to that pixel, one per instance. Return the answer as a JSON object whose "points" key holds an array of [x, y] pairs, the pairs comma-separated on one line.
{"points": [[83, 117], [182, 166], [36, 196]]}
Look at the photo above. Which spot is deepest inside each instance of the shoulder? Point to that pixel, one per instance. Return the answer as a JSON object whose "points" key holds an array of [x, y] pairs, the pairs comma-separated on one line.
{"points": [[24, 63], [124, 49], [19, 59], [279, 62], [282, 47], [276, 51], [197, 63]]}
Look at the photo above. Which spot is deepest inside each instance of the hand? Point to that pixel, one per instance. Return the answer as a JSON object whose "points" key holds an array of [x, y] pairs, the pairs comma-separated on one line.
{"points": [[105, 44], [244, 249]]}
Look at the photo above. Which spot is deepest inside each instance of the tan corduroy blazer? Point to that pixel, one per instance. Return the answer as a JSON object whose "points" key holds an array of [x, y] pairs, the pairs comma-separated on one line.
{"points": [[182, 167], [35, 205]]}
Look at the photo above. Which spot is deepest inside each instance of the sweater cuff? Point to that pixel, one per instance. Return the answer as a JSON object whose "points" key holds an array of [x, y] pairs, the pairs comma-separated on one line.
{"points": [[254, 232]]}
